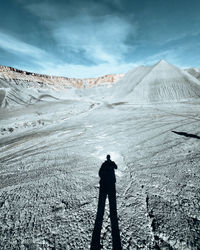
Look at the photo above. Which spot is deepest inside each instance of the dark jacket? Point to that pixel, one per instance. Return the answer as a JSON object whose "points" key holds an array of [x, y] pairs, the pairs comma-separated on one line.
{"points": [[107, 173]]}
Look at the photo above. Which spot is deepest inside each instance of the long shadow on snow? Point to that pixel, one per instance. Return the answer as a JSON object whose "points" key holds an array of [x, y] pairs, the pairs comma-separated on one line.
{"points": [[107, 188], [186, 134]]}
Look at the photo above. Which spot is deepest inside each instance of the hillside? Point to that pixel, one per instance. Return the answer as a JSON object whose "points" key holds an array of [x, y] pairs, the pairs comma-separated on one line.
{"points": [[30, 79], [19, 87], [161, 82]]}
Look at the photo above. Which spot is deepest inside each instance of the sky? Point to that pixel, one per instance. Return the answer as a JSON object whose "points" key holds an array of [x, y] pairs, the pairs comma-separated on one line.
{"points": [[90, 38]]}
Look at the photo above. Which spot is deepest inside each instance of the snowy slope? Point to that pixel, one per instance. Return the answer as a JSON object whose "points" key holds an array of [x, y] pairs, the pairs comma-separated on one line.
{"points": [[19, 87], [194, 72], [12, 95], [50, 157], [161, 82]]}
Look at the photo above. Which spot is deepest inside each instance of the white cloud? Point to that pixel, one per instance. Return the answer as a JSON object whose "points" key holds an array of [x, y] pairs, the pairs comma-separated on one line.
{"points": [[102, 40], [46, 62], [179, 36], [98, 39], [110, 62], [16, 46]]}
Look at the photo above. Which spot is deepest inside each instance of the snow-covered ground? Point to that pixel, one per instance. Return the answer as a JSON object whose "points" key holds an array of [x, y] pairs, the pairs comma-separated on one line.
{"points": [[50, 154]]}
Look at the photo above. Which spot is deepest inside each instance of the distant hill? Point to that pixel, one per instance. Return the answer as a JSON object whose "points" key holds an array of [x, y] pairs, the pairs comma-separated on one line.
{"points": [[161, 82], [18, 87], [30, 79]]}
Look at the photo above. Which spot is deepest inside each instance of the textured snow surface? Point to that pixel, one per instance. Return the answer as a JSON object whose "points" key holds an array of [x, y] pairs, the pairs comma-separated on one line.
{"points": [[20, 89], [50, 154], [13, 95]]}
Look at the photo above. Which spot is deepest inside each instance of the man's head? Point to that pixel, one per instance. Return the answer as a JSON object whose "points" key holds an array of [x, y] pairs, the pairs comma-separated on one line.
{"points": [[108, 157]]}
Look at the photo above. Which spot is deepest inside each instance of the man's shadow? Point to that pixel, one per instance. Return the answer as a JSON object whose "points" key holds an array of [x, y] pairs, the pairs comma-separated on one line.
{"points": [[96, 236]]}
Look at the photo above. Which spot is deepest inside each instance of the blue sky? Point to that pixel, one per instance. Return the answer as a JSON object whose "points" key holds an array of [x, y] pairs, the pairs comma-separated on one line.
{"points": [[88, 38]]}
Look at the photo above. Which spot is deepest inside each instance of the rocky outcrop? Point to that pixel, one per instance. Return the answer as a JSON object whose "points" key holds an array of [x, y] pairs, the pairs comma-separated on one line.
{"points": [[30, 79]]}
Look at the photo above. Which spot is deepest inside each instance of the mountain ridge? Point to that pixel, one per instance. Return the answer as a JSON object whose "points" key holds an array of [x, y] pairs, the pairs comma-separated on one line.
{"points": [[161, 82], [8, 73]]}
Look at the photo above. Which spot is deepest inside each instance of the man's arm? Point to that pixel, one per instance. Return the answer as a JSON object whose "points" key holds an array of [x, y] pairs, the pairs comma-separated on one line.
{"points": [[114, 164], [100, 171]]}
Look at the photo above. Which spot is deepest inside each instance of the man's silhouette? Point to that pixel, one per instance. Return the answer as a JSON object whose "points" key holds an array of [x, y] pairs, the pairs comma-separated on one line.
{"points": [[107, 187]]}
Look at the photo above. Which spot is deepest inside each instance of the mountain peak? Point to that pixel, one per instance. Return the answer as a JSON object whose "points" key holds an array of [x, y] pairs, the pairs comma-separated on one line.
{"points": [[162, 82], [162, 62]]}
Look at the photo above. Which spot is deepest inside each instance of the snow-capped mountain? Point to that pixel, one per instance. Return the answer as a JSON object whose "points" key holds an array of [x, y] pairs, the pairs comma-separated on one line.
{"points": [[161, 82]]}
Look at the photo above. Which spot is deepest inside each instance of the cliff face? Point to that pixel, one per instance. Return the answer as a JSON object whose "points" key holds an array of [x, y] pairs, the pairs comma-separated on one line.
{"points": [[30, 79]]}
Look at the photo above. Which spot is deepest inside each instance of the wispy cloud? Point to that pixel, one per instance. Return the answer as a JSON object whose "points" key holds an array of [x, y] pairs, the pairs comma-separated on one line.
{"points": [[100, 37], [108, 62], [16, 46], [46, 63], [102, 40]]}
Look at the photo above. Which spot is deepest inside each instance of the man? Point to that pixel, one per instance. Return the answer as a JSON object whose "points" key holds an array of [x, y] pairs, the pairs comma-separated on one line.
{"points": [[107, 187], [107, 175]]}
